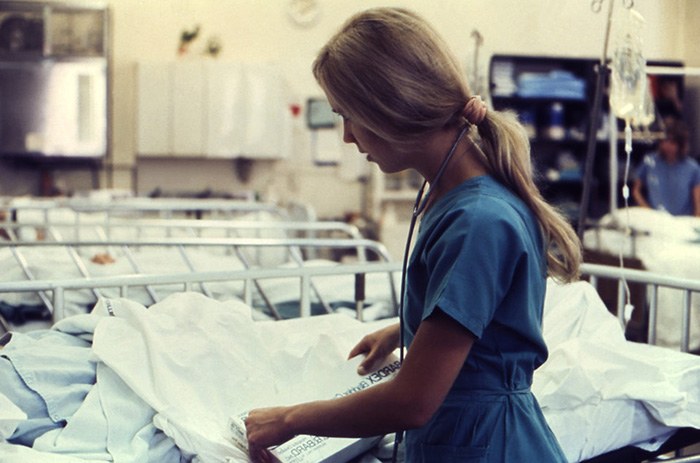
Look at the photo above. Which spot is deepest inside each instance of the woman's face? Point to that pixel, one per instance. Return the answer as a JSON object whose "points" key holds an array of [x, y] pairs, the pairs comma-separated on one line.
{"points": [[669, 149], [377, 149]]}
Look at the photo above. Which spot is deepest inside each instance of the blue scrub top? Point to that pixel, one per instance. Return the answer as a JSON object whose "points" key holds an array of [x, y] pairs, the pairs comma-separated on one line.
{"points": [[479, 258], [669, 186]]}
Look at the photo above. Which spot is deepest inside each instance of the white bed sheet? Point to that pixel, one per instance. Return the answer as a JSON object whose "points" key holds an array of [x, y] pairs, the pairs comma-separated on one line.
{"points": [[669, 245], [600, 392], [338, 289], [194, 362]]}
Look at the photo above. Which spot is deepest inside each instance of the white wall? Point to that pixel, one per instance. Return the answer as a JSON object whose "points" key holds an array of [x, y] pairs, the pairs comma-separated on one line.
{"points": [[259, 30], [691, 54]]}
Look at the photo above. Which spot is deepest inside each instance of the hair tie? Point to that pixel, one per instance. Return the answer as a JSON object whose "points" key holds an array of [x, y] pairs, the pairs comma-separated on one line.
{"points": [[475, 110]]}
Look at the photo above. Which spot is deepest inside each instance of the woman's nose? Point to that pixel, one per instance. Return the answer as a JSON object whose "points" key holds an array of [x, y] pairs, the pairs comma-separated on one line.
{"points": [[348, 136]]}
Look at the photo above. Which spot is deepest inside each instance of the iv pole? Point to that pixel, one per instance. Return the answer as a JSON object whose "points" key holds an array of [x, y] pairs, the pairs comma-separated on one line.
{"points": [[602, 70]]}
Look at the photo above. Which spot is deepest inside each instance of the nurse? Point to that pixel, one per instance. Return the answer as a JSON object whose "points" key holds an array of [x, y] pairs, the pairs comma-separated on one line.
{"points": [[475, 285], [668, 179]]}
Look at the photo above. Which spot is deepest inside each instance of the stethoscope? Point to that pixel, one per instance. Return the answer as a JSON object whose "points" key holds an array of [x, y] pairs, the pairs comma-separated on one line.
{"points": [[418, 208]]}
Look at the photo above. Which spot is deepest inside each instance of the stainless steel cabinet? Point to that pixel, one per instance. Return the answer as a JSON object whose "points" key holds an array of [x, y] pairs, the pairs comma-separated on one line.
{"points": [[53, 80]]}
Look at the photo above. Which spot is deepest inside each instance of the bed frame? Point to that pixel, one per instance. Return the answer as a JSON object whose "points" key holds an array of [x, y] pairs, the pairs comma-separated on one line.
{"points": [[599, 274], [192, 281], [133, 223], [86, 210], [121, 228], [298, 251]]}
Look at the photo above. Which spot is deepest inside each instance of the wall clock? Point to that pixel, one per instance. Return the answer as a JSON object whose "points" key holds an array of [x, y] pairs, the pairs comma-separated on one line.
{"points": [[304, 13]]}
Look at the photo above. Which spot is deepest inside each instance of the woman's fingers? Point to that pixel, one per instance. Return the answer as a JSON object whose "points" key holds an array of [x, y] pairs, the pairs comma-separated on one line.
{"points": [[260, 454], [370, 363], [376, 346], [360, 348]]}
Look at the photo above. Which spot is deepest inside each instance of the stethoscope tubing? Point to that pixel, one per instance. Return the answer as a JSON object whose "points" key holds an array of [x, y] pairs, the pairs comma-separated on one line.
{"points": [[418, 208]]}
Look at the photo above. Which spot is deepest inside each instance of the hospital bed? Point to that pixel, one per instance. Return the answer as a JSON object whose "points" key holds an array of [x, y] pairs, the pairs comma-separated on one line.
{"points": [[27, 219], [684, 442], [606, 399], [171, 241], [86, 210], [33, 260], [661, 243]]}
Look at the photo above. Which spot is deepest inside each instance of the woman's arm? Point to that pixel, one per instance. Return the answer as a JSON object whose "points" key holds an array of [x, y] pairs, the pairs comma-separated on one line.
{"points": [[696, 200], [638, 194], [434, 360]]}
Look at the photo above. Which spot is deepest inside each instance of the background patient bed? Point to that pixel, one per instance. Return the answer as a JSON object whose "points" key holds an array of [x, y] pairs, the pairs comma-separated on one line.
{"points": [[138, 240], [660, 243], [191, 255]]}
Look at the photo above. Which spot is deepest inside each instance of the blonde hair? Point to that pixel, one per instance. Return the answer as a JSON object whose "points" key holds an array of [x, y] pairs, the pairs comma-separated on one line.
{"points": [[388, 70]]}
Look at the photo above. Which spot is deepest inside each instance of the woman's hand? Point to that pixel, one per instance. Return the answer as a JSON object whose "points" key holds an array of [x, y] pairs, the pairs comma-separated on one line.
{"points": [[437, 355], [377, 346], [266, 427]]}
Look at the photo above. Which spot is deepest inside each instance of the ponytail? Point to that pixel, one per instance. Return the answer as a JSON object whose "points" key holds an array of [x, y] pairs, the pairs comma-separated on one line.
{"points": [[506, 150]]}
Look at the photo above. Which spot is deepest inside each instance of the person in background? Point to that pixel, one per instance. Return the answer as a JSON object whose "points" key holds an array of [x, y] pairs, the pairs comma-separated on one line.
{"points": [[476, 279], [668, 179], [667, 100]]}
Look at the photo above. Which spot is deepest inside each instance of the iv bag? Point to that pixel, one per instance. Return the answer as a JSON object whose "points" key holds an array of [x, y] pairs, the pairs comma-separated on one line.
{"points": [[628, 73], [645, 114]]}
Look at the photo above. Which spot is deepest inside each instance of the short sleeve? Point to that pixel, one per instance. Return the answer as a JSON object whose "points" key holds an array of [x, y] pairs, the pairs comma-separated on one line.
{"points": [[471, 267], [641, 170], [696, 177]]}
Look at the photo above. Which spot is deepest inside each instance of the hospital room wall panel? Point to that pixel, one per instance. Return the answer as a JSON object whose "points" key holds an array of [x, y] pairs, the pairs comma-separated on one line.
{"points": [[154, 174], [330, 194], [691, 96], [691, 33]]}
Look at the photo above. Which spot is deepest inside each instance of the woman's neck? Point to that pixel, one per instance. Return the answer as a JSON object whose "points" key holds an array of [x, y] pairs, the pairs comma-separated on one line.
{"points": [[465, 163]]}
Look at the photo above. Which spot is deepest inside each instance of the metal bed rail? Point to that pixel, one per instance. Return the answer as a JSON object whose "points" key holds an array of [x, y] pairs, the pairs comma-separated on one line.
{"points": [[653, 281], [82, 208], [194, 228], [364, 248], [58, 288]]}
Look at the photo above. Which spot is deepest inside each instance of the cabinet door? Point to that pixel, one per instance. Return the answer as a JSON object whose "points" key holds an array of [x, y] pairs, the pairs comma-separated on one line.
{"points": [[214, 109], [154, 90], [188, 109], [225, 116], [264, 113]]}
